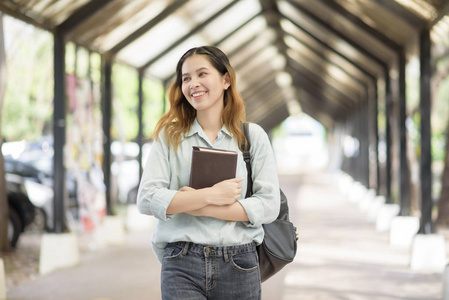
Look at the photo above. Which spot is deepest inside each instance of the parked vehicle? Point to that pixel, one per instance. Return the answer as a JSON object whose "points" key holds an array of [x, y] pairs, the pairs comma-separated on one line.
{"points": [[125, 168], [21, 211], [34, 164]]}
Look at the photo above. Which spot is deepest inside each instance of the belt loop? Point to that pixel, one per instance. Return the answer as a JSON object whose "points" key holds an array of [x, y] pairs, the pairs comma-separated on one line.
{"points": [[185, 249], [225, 254]]}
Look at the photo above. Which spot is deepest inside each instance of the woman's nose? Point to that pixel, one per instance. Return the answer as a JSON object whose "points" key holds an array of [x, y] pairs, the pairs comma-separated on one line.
{"points": [[193, 83]]}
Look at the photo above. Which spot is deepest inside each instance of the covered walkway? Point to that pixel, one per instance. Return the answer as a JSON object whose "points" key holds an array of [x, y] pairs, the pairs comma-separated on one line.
{"points": [[342, 62], [340, 256]]}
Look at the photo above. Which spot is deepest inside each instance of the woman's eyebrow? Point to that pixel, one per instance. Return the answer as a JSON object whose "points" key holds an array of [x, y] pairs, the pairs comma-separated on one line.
{"points": [[197, 70], [202, 68]]}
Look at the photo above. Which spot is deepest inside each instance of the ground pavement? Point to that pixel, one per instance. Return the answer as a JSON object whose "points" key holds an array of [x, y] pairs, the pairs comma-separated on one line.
{"points": [[340, 256]]}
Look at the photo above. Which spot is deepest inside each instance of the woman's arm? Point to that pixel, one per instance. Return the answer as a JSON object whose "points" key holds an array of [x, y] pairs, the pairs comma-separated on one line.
{"points": [[221, 194], [263, 205], [231, 212]]}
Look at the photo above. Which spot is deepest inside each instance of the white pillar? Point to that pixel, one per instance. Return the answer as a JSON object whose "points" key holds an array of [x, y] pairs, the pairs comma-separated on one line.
{"points": [[428, 253], [114, 230], [58, 250], [373, 209], [403, 230], [135, 221], [366, 201], [445, 293], [356, 192], [385, 216], [2, 280]]}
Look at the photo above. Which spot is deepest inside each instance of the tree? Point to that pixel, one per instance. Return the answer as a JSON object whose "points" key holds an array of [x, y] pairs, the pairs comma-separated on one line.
{"points": [[443, 203], [442, 81], [4, 242], [29, 90]]}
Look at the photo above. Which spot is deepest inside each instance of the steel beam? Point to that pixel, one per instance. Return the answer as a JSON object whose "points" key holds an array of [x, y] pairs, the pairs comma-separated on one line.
{"points": [[59, 127], [404, 170], [188, 35], [426, 224], [402, 13], [148, 26], [140, 120], [106, 110], [82, 14]]}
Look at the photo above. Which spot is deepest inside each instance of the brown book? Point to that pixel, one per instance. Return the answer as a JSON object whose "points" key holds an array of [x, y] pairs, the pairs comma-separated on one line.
{"points": [[210, 166]]}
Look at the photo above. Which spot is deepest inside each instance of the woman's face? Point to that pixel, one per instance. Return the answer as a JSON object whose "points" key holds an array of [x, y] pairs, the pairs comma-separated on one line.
{"points": [[202, 84]]}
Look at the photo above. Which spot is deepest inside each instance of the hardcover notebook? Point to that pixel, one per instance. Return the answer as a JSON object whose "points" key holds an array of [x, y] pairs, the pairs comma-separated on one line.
{"points": [[210, 166]]}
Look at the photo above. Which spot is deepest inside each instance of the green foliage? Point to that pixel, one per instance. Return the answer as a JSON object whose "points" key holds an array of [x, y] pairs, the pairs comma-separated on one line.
{"points": [[124, 103], [28, 103], [440, 109], [153, 94], [28, 106]]}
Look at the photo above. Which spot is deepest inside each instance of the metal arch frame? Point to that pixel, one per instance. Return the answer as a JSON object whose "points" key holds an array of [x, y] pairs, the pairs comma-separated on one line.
{"points": [[363, 82], [399, 49], [426, 199], [157, 56], [222, 40], [404, 14], [398, 10], [82, 14], [189, 34], [17, 11], [309, 86], [404, 169], [352, 43], [147, 26], [59, 118]]}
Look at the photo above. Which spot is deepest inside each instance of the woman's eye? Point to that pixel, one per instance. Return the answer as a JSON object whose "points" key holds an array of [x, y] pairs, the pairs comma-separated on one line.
{"points": [[202, 74], [185, 79]]}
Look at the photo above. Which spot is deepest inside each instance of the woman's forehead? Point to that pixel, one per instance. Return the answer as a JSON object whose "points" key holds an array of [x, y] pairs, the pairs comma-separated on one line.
{"points": [[195, 62]]}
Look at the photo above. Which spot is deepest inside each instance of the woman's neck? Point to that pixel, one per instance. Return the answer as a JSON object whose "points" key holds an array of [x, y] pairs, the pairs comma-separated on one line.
{"points": [[211, 125]]}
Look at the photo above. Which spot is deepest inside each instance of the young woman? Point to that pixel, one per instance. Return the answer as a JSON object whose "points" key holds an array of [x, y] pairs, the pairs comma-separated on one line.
{"points": [[206, 239]]}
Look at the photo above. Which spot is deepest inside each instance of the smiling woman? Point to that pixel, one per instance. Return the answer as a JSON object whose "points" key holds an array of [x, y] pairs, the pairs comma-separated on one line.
{"points": [[204, 87], [215, 225]]}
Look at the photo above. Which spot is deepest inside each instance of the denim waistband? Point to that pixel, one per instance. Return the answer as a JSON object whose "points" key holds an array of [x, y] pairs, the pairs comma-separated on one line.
{"points": [[215, 250]]}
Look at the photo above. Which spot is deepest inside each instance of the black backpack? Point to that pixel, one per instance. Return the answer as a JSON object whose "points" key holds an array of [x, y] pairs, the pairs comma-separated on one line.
{"points": [[280, 241]]}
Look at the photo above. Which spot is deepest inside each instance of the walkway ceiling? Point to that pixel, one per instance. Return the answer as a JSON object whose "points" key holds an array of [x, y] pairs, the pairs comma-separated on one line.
{"points": [[326, 55]]}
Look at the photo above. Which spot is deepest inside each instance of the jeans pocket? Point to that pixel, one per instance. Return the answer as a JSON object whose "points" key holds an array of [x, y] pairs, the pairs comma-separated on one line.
{"points": [[245, 262], [172, 252]]}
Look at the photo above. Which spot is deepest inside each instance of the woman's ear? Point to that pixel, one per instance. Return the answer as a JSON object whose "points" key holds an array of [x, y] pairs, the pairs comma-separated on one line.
{"points": [[227, 81]]}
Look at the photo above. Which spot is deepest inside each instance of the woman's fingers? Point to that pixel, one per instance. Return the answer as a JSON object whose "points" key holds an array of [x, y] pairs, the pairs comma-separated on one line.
{"points": [[228, 191]]}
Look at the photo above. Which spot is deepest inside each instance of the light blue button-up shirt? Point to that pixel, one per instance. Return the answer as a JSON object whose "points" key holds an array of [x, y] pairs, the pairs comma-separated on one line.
{"points": [[166, 171]]}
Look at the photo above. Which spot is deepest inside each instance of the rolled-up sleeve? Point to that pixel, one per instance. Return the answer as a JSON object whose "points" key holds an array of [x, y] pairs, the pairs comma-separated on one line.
{"points": [[263, 206], [154, 195]]}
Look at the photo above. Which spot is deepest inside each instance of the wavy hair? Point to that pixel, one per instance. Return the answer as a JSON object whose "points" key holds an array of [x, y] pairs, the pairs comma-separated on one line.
{"points": [[177, 121]]}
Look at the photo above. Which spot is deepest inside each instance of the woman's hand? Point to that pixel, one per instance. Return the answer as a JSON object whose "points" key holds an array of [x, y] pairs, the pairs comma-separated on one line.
{"points": [[186, 189], [226, 192], [217, 197]]}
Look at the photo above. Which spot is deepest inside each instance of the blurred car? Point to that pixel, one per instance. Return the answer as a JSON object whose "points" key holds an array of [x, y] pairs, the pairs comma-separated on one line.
{"points": [[34, 164], [21, 211], [125, 168]]}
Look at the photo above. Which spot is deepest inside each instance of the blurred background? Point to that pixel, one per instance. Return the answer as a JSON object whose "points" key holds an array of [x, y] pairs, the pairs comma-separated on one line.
{"points": [[353, 87]]}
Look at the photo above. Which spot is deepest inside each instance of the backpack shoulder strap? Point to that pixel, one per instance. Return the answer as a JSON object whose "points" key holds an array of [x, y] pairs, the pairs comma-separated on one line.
{"points": [[247, 159]]}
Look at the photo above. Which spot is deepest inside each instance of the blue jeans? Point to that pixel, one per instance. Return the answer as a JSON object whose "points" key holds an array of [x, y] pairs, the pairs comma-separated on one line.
{"points": [[191, 271]]}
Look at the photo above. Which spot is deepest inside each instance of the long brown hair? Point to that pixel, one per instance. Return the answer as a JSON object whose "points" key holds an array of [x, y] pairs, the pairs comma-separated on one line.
{"points": [[177, 121]]}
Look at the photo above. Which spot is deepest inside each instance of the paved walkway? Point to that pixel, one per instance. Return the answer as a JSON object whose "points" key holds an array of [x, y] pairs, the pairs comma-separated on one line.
{"points": [[340, 256]]}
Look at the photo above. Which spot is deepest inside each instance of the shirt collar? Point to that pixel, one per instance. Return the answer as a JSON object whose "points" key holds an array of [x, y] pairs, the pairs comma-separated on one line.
{"points": [[196, 128]]}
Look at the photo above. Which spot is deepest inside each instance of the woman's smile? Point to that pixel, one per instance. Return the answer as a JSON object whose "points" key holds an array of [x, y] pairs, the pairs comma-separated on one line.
{"points": [[198, 95]]}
